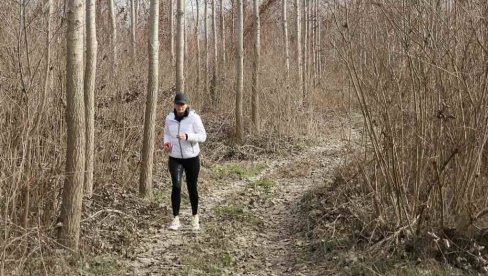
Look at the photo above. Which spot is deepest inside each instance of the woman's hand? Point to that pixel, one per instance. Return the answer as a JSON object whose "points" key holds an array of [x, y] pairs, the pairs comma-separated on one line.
{"points": [[167, 147], [181, 136]]}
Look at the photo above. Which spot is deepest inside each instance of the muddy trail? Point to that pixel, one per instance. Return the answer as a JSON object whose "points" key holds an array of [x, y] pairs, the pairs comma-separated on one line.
{"points": [[248, 218]]}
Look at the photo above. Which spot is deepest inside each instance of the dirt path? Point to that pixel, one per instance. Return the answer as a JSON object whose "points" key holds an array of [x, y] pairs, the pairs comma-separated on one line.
{"points": [[248, 224]]}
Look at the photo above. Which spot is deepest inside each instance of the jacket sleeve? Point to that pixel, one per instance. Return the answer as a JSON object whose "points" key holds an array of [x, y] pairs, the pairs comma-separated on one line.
{"points": [[166, 137], [199, 135]]}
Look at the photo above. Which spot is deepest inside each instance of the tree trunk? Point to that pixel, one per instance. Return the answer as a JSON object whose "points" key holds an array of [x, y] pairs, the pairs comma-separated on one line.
{"points": [[197, 40], [317, 40], [90, 75], [180, 46], [205, 25], [75, 116], [234, 4], [172, 30], [113, 32], [136, 2], [213, 84], [304, 50], [239, 71], [312, 21], [319, 47], [47, 69], [285, 39], [222, 33], [47, 78], [185, 44], [145, 181], [299, 45], [256, 67], [133, 23]]}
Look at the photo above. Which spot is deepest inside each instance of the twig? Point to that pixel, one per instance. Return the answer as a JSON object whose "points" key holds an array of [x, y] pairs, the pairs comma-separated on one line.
{"points": [[108, 211]]}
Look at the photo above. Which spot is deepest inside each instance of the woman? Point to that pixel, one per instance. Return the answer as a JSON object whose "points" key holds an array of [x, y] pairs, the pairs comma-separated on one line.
{"points": [[183, 131]]}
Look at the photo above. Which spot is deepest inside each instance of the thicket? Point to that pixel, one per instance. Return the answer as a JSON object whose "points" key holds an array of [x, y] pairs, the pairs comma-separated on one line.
{"points": [[419, 72], [33, 127]]}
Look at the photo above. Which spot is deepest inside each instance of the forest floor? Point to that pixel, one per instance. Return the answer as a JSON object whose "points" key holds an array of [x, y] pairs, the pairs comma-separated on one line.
{"points": [[248, 217], [277, 214]]}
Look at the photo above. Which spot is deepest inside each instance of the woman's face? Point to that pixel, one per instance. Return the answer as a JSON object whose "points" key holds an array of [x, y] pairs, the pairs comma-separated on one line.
{"points": [[180, 108]]}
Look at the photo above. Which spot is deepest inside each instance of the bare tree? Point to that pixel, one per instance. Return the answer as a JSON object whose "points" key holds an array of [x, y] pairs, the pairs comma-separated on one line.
{"points": [[197, 41], [113, 33], [90, 75], [47, 68], [205, 25], [312, 43], [172, 30], [233, 9], [305, 49], [133, 24], [75, 117], [213, 84], [180, 46], [222, 32], [285, 38], [256, 67], [299, 44], [239, 71], [319, 42], [145, 181]]}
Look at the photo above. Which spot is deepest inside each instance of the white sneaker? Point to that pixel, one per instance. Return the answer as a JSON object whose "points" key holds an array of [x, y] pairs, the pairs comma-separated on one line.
{"points": [[175, 224], [195, 223]]}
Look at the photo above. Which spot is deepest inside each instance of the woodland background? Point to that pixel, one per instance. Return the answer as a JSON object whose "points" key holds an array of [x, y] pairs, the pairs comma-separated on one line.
{"points": [[416, 71]]}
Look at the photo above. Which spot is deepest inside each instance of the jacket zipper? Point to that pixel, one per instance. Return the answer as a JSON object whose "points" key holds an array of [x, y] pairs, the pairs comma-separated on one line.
{"points": [[179, 141]]}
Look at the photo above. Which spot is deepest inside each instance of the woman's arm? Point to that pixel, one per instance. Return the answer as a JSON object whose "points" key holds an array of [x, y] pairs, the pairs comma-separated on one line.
{"points": [[200, 134], [166, 136]]}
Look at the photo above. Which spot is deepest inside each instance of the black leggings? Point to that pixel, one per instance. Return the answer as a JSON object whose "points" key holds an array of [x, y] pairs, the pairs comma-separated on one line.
{"points": [[192, 168]]}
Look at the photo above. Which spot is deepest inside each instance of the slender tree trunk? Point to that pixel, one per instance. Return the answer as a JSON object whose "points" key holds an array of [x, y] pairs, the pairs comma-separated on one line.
{"points": [[145, 181], [172, 30], [299, 45], [319, 22], [113, 34], [285, 39], [205, 25], [90, 75], [47, 69], [313, 50], [38, 116], [136, 2], [239, 71], [213, 84], [75, 116], [185, 43], [256, 67], [197, 40], [133, 23], [304, 50], [313, 31], [180, 46], [222, 34], [234, 7], [319, 46]]}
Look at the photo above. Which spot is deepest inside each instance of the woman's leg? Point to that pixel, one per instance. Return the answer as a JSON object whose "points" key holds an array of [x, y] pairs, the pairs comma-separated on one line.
{"points": [[176, 171], [192, 169]]}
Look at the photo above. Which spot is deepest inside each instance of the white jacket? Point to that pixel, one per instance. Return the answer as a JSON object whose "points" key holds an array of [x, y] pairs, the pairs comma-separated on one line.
{"points": [[191, 125]]}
